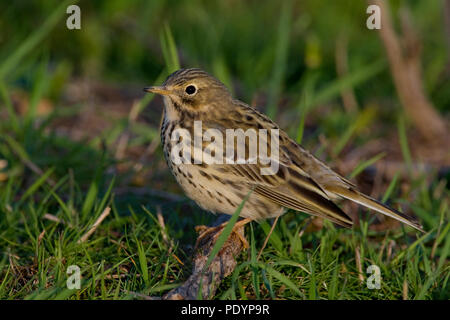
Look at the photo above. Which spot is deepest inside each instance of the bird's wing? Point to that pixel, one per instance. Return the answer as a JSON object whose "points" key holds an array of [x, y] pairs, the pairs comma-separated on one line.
{"points": [[302, 181], [290, 186], [290, 189]]}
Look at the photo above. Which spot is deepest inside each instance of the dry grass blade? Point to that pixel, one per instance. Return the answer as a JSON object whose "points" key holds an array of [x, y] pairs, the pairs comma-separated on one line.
{"points": [[94, 227], [267, 238], [358, 264], [53, 218], [405, 290]]}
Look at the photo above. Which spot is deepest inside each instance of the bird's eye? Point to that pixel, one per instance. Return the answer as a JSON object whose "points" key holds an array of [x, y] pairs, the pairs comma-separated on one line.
{"points": [[190, 89]]}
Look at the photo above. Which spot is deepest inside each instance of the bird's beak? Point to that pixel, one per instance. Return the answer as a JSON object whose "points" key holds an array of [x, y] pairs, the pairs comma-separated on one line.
{"points": [[159, 90]]}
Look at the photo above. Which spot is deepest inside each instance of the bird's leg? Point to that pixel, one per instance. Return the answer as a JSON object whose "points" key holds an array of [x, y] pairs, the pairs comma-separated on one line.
{"points": [[204, 232], [236, 227]]}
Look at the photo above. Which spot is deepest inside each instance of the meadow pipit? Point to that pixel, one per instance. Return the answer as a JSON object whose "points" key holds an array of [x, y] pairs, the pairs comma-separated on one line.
{"points": [[218, 182]]}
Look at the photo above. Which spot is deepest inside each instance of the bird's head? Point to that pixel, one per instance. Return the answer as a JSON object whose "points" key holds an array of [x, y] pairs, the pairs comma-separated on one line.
{"points": [[192, 90]]}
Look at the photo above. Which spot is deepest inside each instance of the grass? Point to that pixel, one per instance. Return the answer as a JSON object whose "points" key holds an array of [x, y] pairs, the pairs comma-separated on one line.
{"points": [[128, 255], [54, 187]]}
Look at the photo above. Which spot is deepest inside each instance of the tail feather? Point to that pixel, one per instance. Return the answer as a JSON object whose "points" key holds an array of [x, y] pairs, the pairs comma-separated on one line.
{"points": [[376, 205]]}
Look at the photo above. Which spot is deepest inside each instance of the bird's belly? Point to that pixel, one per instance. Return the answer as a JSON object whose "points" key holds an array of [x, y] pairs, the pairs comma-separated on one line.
{"points": [[213, 193], [220, 195]]}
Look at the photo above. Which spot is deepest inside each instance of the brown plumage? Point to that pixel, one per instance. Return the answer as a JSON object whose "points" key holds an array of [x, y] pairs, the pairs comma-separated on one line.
{"points": [[302, 182]]}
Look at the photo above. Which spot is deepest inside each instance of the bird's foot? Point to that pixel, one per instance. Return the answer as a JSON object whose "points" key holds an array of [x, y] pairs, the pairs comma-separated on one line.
{"points": [[213, 233]]}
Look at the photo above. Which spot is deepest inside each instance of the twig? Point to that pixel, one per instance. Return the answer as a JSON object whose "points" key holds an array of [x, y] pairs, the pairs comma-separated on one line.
{"points": [[94, 227], [407, 75], [204, 283]]}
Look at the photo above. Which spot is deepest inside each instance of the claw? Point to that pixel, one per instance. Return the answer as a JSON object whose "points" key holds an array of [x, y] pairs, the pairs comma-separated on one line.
{"points": [[205, 232]]}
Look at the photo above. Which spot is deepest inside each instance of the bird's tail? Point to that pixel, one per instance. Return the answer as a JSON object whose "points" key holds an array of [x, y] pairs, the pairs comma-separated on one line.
{"points": [[376, 205]]}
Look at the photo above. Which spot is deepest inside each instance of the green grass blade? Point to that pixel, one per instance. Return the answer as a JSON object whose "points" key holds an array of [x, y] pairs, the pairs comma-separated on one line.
{"points": [[13, 119], [432, 277], [222, 72], [90, 198], [142, 262], [285, 280], [253, 255], [351, 80], [225, 232], [363, 165], [169, 49], [363, 120], [404, 143], [304, 102], [32, 189], [412, 247], [17, 148], [105, 197], [301, 127], [40, 83], [390, 188], [280, 63], [33, 40]]}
